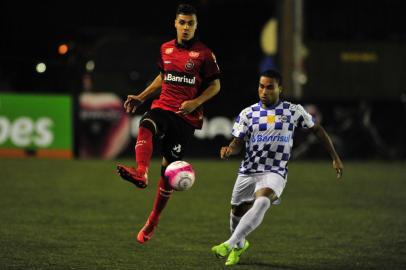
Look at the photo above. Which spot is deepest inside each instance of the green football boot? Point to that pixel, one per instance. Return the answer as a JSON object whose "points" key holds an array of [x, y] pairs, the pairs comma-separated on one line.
{"points": [[235, 254], [221, 250]]}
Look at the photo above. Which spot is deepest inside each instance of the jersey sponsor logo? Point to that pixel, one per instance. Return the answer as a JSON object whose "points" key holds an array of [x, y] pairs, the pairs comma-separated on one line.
{"points": [[179, 78], [169, 50], [167, 62], [194, 54], [189, 65], [270, 138]]}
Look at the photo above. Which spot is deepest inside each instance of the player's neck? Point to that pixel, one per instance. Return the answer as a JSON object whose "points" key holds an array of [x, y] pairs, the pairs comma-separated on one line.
{"points": [[185, 43], [270, 104]]}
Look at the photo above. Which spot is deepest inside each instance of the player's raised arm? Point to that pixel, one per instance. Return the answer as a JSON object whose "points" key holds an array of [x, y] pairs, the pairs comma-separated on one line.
{"points": [[320, 132], [233, 148], [133, 101]]}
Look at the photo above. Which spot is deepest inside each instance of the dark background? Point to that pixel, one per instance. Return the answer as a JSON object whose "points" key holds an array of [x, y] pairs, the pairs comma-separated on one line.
{"points": [[123, 39], [32, 31]]}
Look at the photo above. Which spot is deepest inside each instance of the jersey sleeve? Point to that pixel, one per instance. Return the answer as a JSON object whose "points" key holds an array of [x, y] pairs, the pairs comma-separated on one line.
{"points": [[305, 119], [211, 70], [160, 62], [240, 127]]}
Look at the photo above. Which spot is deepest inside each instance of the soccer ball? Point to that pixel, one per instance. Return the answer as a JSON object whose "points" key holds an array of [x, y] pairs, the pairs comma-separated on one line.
{"points": [[180, 175]]}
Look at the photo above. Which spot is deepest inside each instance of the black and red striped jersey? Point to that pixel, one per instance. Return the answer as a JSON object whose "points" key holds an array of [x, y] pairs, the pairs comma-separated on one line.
{"points": [[186, 70]]}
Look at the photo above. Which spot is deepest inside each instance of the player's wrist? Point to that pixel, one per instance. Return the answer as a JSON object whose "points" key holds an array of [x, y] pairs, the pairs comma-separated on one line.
{"points": [[197, 102], [231, 150], [140, 99]]}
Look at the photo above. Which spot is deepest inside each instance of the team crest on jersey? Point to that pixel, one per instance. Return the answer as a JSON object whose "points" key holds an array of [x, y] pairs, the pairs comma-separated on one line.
{"points": [[169, 50], [194, 54], [189, 65], [271, 119], [283, 118]]}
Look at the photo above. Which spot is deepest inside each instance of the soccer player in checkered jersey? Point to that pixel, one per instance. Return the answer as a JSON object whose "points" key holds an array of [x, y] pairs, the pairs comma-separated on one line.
{"points": [[266, 129], [189, 76]]}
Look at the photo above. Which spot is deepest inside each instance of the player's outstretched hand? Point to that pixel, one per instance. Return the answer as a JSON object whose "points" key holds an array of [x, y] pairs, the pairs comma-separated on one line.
{"points": [[338, 166], [225, 152], [132, 103]]}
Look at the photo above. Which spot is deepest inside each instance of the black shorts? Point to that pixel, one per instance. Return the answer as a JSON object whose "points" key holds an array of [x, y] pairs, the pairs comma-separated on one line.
{"points": [[172, 131]]}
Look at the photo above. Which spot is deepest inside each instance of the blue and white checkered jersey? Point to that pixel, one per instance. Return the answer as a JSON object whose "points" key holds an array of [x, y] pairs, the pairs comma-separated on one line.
{"points": [[268, 135]]}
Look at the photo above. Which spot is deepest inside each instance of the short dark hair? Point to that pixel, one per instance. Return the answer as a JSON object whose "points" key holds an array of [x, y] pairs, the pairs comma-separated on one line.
{"points": [[186, 9], [271, 73]]}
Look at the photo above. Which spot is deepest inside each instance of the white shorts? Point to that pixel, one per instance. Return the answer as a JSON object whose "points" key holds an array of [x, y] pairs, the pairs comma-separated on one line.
{"points": [[246, 185]]}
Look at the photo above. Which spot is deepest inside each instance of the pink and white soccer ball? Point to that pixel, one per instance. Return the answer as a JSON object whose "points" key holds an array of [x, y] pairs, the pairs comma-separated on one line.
{"points": [[180, 175]]}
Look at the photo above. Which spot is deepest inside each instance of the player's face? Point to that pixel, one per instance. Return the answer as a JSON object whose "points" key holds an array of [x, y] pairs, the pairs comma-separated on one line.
{"points": [[185, 27], [268, 90]]}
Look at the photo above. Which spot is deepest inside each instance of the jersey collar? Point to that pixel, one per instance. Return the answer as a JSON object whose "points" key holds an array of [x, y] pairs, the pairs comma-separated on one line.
{"points": [[186, 45], [272, 106]]}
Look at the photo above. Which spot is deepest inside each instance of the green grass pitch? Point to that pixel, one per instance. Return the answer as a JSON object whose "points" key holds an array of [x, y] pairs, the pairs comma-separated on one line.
{"points": [[81, 215]]}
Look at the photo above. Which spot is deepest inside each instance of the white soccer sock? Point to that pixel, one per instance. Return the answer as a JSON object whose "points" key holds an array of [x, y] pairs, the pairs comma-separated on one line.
{"points": [[234, 220], [250, 221]]}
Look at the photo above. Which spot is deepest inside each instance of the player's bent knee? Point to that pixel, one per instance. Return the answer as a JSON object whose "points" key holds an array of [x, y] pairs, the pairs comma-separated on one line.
{"points": [[262, 202], [267, 192], [149, 124]]}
